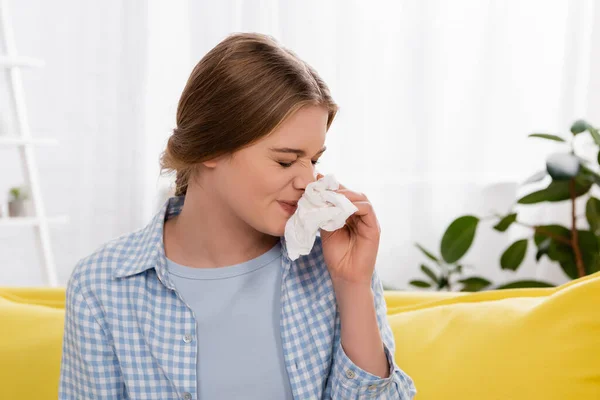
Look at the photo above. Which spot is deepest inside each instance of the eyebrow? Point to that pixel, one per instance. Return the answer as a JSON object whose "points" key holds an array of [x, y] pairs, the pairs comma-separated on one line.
{"points": [[295, 151]]}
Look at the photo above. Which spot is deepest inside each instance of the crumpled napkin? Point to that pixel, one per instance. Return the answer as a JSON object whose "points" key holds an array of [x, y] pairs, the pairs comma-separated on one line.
{"points": [[318, 208]]}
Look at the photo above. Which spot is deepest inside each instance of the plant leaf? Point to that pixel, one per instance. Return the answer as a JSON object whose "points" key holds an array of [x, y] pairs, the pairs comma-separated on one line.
{"points": [[538, 176], [590, 250], [598, 157], [579, 126], [595, 135], [427, 271], [543, 248], [589, 175], [556, 191], [444, 283], [557, 251], [474, 284], [554, 230], [420, 284], [514, 255], [569, 267], [524, 284], [427, 253], [593, 268], [592, 214], [562, 166], [564, 255], [548, 136], [458, 238], [505, 222]]}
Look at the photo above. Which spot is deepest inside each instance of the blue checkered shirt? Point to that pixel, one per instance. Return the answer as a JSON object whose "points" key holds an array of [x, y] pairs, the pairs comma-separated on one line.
{"points": [[127, 329]]}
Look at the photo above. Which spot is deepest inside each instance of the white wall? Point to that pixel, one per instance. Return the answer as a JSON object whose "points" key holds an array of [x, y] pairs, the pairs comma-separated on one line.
{"points": [[88, 97], [110, 85]]}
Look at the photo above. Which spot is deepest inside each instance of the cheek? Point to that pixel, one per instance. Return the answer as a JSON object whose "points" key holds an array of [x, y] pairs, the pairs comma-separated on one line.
{"points": [[272, 185], [262, 184]]}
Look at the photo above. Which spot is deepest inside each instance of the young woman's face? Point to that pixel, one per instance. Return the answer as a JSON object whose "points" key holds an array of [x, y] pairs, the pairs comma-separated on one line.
{"points": [[258, 178]]}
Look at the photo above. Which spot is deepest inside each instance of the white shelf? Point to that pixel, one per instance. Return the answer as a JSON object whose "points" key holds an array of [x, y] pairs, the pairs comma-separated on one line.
{"points": [[11, 62], [31, 221], [16, 94], [17, 141]]}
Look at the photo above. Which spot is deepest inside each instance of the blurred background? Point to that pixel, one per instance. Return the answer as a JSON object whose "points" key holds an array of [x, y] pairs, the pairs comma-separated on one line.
{"points": [[437, 100]]}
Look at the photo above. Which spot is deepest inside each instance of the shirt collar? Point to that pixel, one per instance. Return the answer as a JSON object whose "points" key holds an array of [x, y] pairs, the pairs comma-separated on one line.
{"points": [[147, 250]]}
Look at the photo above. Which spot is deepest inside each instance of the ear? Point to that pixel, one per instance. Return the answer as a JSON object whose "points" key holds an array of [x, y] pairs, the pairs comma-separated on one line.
{"points": [[210, 164]]}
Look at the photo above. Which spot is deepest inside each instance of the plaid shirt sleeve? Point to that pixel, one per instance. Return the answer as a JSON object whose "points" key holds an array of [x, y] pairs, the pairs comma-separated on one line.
{"points": [[352, 382], [89, 368]]}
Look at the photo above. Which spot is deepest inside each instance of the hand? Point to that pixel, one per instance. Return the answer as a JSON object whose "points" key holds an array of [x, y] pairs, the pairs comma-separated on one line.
{"points": [[351, 251]]}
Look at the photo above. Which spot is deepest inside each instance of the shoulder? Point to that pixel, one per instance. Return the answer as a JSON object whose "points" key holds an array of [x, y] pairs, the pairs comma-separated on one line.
{"points": [[96, 270]]}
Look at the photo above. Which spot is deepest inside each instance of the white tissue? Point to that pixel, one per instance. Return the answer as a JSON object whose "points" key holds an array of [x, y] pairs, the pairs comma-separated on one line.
{"points": [[318, 208]]}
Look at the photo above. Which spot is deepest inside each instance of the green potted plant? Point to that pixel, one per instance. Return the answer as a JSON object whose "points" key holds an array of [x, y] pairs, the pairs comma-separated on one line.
{"points": [[574, 249], [18, 203]]}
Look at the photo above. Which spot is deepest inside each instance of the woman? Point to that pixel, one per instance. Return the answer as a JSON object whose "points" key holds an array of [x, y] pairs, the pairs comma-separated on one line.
{"points": [[204, 302]]}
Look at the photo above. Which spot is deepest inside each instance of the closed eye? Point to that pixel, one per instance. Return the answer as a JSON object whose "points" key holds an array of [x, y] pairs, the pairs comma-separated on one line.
{"points": [[287, 165]]}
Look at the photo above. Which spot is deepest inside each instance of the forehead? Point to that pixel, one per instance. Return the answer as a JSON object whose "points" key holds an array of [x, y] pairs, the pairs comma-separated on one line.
{"points": [[305, 129]]}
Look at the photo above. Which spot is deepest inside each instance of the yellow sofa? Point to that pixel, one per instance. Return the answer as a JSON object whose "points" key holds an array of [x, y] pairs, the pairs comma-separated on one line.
{"points": [[511, 345]]}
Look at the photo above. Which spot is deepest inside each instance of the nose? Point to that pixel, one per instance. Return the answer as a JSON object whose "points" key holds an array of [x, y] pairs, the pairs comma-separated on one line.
{"points": [[306, 177]]}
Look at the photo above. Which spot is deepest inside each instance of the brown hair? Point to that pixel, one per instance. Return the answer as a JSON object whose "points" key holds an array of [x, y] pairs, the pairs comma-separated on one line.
{"points": [[239, 92]]}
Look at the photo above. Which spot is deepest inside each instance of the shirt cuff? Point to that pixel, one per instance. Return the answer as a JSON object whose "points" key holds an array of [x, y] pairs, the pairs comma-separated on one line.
{"points": [[358, 381]]}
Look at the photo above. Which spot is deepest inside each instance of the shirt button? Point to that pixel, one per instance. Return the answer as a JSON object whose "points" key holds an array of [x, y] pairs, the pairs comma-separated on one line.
{"points": [[372, 387], [350, 374], [187, 396], [187, 338]]}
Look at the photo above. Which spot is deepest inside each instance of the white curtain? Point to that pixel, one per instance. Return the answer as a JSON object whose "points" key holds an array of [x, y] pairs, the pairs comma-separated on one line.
{"points": [[437, 99], [90, 97]]}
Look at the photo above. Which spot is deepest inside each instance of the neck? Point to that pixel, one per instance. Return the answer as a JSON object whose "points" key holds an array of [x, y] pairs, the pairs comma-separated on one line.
{"points": [[207, 234]]}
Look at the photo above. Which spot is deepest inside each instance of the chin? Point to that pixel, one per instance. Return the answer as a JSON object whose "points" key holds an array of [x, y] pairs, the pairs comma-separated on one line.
{"points": [[278, 230], [271, 228], [277, 225]]}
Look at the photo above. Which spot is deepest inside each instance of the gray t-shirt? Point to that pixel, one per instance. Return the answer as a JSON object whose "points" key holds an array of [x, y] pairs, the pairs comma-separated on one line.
{"points": [[237, 310]]}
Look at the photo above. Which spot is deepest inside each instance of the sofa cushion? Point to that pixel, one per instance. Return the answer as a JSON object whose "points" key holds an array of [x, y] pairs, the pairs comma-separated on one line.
{"points": [[30, 346], [509, 344], [506, 344]]}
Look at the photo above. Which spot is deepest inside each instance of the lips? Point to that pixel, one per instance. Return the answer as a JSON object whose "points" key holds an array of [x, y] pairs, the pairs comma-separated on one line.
{"points": [[289, 207]]}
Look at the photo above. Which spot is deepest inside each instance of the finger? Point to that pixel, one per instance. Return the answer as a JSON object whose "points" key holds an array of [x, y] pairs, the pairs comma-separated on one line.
{"points": [[366, 212], [352, 195], [342, 186], [320, 175]]}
